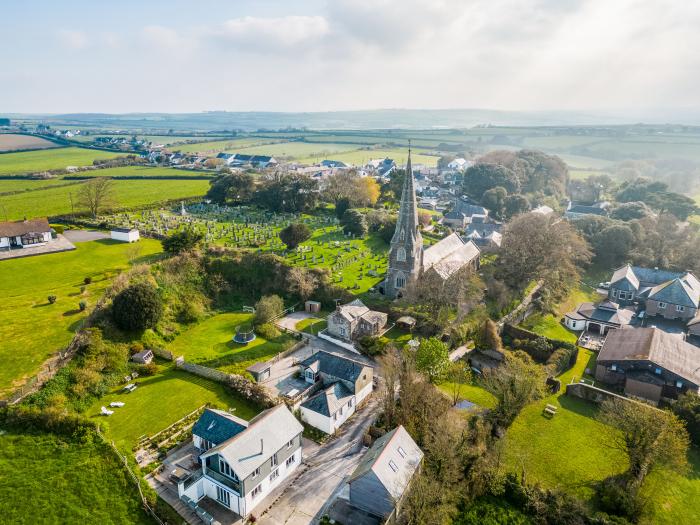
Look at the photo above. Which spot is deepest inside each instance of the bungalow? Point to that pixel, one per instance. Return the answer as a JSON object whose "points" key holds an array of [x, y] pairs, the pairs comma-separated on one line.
{"points": [[345, 384], [242, 159], [381, 481], [649, 363], [242, 462], [21, 234], [143, 357], [600, 317], [577, 211], [354, 320]]}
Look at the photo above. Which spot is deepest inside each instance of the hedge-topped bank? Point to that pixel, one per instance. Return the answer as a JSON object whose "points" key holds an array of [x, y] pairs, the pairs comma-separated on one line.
{"points": [[554, 353]]}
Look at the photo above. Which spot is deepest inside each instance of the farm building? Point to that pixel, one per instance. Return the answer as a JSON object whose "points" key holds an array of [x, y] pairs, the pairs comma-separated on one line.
{"points": [[125, 234], [21, 234]]}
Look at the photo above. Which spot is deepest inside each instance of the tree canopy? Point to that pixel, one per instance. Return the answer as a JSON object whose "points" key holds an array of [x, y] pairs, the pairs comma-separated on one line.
{"points": [[294, 234], [137, 307]]}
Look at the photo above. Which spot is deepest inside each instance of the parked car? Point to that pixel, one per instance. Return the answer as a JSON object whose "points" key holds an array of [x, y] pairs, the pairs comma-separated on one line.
{"points": [[605, 285]]}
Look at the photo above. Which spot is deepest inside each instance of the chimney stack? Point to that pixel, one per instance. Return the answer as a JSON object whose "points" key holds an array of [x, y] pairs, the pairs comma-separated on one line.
{"points": [[262, 447]]}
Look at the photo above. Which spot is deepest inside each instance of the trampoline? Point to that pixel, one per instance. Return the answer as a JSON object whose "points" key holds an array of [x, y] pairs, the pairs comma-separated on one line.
{"points": [[244, 334]]}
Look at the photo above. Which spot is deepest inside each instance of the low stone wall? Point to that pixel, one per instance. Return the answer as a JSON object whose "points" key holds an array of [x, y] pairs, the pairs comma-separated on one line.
{"points": [[348, 346], [164, 354], [596, 395]]}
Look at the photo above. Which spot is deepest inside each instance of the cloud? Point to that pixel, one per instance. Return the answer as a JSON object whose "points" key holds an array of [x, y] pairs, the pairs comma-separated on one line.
{"points": [[72, 39], [161, 37]]}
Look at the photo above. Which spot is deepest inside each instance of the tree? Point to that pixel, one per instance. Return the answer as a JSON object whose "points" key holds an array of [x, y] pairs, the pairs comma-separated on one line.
{"points": [[294, 234], [424, 218], [515, 205], [268, 308], [483, 176], [354, 222], [390, 366], [613, 245], [687, 408], [458, 374], [367, 191], [628, 211], [432, 358], [302, 282], [235, 188], [341, 206], [291, 193], [96, 195], [494, 200], [386, 232], [515, 383], [649, 437], [137, 307], [183, 241], [491, 339]]}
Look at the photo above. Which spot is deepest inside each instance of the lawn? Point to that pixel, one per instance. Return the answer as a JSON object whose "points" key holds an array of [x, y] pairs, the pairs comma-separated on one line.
{"points": [[159, 401], [210, 343], [49, 479], [56, 158], [54, 201], [32, 329], [471, 392], [311, 325]]}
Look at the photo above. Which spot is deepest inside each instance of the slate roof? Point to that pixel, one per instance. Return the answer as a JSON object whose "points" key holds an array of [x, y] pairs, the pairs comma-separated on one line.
{"points": [[483, 228], [16, 228], [353, 310], [329, 400], [217, 426], [334, 365], [684, 291], [449, 255], [384, 455], [666, 350], [465, 209], [267, 433], [654, 276], [625, 272], [605, 312]]}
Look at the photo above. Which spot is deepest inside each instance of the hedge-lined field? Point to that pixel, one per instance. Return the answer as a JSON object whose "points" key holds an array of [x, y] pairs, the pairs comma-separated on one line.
{"points": [[51, 159]]}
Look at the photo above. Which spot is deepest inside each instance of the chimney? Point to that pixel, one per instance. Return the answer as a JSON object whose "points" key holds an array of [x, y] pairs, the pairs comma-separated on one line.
{"points": [[262, 446]]}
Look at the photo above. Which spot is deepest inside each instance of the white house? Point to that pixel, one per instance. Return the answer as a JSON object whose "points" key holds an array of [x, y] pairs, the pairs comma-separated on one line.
{"points": [[242, 461], [125, 234], [459, 164], [21, 234], [345, 383]]}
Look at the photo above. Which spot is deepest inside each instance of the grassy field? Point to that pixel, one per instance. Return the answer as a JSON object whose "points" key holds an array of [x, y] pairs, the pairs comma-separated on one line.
{"points": [[15, 185], [298, 150], [213, 147], [144, 171], [57, 201], [360, 157], [41, 160], [470, 392], [12, 142], [210, 343], [32, 329], [49, 479], [159, 401]]}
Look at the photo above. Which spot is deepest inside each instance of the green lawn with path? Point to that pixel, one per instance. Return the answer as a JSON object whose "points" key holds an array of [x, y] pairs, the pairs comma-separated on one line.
{"points": [[32, 329], [50, 479], [160, 400], [311, 325], [50, 159], [210, 343]]}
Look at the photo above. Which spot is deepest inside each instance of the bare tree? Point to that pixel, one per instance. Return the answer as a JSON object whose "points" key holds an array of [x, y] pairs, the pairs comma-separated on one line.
{"points": [[390, 366], [96, 195], [458, 374]]}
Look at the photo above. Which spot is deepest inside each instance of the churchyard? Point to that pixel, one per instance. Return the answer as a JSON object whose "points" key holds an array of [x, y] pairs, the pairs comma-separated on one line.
{"points": [[355, 264]]}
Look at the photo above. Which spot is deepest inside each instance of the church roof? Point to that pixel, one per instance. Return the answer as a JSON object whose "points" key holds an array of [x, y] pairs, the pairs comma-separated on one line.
{"points": [[449, 255]]}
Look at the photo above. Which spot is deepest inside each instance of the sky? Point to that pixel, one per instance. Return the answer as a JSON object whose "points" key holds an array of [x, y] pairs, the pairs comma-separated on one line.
{"points": [[326, 55]]}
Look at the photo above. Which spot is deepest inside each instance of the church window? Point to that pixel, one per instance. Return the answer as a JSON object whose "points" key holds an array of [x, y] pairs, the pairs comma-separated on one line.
{"points": [[402, 236], [401, 254], [400, 281]]}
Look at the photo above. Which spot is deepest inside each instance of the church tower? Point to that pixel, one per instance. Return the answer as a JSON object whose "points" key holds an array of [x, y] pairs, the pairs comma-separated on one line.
{"points": [[406, 251]]}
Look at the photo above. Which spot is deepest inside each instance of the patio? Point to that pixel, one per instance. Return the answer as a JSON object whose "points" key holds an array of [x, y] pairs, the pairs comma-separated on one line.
{"points": [[591, 340]]}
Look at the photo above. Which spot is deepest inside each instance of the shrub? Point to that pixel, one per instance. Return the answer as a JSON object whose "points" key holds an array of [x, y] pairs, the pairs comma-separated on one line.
{"points": [[135, 348], [82, 305], [82, 289], [52, 299], [189, 311], [137, 307], [294, 234], [688, 409], [615, 498], [267, 308], [181, 242], [267, 331], [341, 206], [373, 346], [148, 369], [87, 280], [58, 228], [562, 359], [354, 222]]}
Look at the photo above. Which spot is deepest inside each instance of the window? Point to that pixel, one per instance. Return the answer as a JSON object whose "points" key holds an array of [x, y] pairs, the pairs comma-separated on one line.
{"points": [[342, 331], [225, 469], [662, 306], [290, 461], [613, 367], [393, 466], [349, 403], [622, 295], [205, 444], [402, 452], [310, 375], [256, 473], [614, 294], [223, 496], [256, 491], [402, 236], [273, 460], [679, 384], [275, 474], [341, 411], [335, 417], [680, 308], [657, 371], [400, 281], [401, 255], [290, 443]]}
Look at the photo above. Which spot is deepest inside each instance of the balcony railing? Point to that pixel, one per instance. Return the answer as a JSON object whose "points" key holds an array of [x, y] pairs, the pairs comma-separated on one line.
{"points": [[224, 480], [192, 478]]}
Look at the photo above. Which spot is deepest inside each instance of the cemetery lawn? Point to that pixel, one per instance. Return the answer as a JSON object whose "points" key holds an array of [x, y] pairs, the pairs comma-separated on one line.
{"points": [[54, 201], [50, 159], [78, 482], [210, 343], [160, 400], [32, 329]]}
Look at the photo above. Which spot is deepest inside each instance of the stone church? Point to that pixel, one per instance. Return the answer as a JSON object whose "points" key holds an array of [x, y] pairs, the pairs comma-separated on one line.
{"points": [[408, 261]]}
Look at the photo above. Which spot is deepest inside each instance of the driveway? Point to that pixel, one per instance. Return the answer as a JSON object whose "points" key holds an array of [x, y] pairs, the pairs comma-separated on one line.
{"points": [[85, 235], [290, 321], [304, 501]]}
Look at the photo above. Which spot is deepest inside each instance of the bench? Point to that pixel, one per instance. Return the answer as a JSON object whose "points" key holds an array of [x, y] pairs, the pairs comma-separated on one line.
{"points": [[550, 410]]}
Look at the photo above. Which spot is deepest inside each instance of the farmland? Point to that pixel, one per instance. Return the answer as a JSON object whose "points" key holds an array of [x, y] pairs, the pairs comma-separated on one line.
{"points": [[214, 147], [42, 160], [31, 328], [144, 171], [10, 142], [53, 201]]}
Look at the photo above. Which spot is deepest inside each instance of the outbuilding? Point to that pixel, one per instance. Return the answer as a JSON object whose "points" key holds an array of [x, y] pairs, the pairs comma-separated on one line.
{"points": [[125, 234]]}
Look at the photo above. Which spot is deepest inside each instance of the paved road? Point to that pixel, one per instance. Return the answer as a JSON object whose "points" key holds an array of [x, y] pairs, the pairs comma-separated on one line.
{"points": [[85, 235], [302, 502]]}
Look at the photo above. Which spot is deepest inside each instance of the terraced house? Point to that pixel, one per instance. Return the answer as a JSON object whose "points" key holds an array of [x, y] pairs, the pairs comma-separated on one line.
{"points": [[241, 461]]}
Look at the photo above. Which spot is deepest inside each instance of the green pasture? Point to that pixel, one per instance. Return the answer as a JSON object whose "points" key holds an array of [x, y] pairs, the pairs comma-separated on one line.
{"points": [[50, 159], [216, 146], [298, 150], [144, 171], [210, 343], [51, 479], [54, 201], [360, 157], [31, 328], [16, 185], [160, 400]]}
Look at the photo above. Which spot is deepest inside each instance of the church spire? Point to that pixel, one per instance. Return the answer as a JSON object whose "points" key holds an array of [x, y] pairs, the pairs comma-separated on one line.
{"points": [[408, 210]]}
